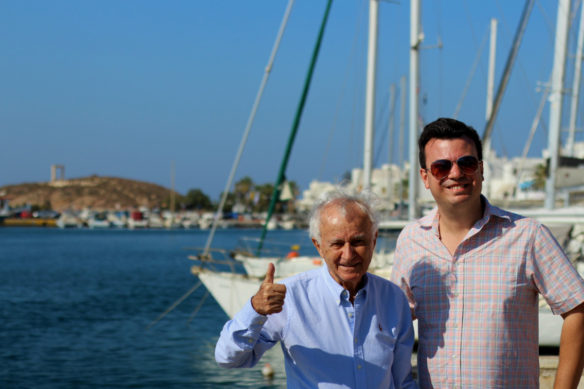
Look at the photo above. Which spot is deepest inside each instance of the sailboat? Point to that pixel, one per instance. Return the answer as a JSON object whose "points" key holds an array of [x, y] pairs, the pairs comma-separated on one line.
{"points": [[232, 290], [254, 263]]}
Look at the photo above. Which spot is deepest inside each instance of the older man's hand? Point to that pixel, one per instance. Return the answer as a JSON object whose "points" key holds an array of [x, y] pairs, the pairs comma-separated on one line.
{"points": [[270, 298]]}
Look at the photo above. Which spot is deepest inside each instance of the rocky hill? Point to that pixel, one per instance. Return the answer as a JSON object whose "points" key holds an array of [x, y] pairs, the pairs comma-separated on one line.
{"points": [[98, 193]]}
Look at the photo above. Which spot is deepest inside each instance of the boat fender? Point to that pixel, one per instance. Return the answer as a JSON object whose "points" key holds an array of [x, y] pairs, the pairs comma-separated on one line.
{"points": [[292, 254]]}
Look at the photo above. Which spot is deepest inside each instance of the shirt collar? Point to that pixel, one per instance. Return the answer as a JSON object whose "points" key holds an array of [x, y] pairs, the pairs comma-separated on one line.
{"points": [[491, 211], [337, 291], [431, 220]]}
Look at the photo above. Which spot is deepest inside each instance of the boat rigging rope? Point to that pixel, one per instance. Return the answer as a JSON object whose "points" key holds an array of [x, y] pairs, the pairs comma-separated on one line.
{"points": [[248, 127], [295, 124], [471, 75], [176, 303], [198, 306], [350, 62]]}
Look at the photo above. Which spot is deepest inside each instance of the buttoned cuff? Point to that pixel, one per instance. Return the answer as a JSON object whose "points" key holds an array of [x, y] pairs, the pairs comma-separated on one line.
{"points": [[250, 318]]}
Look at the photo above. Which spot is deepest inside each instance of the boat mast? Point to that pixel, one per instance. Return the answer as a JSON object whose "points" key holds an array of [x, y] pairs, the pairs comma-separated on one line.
{"points": [[415, 40], [560, 48], [491, 75], [370, 93], [248, 128], [490, 89], [401, 161], [172, 195], [506, 75], [295, 124], [390, 130], [576, 85]]}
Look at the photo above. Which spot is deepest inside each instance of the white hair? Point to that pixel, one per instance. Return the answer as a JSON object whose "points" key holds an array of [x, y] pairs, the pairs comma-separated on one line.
{"points": [[365, 200]]}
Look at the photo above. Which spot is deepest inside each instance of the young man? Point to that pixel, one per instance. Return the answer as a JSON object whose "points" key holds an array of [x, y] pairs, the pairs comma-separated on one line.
{"points": [[339, 326], [472, 273]]}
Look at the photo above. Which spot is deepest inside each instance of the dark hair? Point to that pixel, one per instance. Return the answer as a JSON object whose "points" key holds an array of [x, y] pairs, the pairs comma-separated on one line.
{"points": [[446, 128]]}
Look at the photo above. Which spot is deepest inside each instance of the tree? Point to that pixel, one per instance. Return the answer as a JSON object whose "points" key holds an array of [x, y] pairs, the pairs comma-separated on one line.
{"points": [[196, 199], [243, 187], [540, 177], [346, 177], [265, 196], [242, 192], [179, 201], [229, 202]]}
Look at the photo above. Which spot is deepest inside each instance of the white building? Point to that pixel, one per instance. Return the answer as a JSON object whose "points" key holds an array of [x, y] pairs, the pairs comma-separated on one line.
{"points": [[385, 183]]}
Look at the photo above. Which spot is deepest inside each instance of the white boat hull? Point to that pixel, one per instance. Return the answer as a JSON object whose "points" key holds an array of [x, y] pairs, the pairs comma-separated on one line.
{"points": [[284, 267], [231, 291]]}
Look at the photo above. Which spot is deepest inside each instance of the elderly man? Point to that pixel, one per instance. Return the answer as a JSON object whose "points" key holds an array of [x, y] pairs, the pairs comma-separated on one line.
{"points": [[473, 273], [339, 326]]}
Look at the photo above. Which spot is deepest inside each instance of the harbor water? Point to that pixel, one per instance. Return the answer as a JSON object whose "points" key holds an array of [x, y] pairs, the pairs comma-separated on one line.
{"points": [[75, 307]]}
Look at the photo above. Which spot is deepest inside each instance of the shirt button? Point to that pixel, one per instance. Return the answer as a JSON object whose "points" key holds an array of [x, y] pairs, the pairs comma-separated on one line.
{"points": [[454, 356], [355, 340], [358, 366], [250, 340], [350, 314]]}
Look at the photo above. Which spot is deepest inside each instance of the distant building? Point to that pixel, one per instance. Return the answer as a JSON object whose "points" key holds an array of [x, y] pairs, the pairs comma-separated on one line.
{"points": [[384, 183]]}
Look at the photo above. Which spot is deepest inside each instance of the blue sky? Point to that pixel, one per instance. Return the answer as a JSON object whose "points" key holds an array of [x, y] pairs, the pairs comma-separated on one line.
{"points": [[129, 88]]}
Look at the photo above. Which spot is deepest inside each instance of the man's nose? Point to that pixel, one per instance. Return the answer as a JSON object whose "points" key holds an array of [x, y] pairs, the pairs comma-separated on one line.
{"points": [[348, 251], [455, 171]]}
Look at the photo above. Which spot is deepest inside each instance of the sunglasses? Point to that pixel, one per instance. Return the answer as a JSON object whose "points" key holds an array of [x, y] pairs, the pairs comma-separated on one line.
{"points": [[468, 165]]}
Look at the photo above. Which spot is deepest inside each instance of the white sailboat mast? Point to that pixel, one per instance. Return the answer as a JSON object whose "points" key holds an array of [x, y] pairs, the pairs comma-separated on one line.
{"points": [[370, 93], [391, 125], [415, 40], [560, 48], [490, 93], [402, 121], [491, 75]]}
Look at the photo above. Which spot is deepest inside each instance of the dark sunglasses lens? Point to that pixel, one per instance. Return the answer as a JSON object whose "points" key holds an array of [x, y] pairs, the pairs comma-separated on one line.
{"points": [[468, 164], [440, 168]]}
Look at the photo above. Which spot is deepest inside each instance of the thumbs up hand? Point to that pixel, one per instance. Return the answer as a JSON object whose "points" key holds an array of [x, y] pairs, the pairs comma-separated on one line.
{"points": [[270, 298]]}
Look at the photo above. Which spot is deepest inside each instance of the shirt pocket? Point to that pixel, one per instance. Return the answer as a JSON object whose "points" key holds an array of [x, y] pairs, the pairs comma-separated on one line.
{"points": [[382, 349]]}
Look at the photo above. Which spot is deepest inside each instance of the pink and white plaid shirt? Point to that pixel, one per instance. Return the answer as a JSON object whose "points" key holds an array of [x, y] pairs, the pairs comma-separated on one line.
{"points": [[477, 310]]}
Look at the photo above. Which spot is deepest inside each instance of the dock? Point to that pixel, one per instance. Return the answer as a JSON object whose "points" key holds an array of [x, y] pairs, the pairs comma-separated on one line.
{"points": [[29, 222]]}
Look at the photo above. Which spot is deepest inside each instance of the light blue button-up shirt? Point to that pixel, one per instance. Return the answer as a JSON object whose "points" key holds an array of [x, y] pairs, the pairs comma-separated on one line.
{"points": [[327, 341]]}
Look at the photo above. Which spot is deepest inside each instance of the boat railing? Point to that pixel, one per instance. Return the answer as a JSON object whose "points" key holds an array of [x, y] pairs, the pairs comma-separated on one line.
{"points": [[216, 259], [271, 248]]}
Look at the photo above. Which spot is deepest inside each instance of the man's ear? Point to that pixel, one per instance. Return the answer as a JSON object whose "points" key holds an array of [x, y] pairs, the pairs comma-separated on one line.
{"points": [[424, 176], [317, 245]]}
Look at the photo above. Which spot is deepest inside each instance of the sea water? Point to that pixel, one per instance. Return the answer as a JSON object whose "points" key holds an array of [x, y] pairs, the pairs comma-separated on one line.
{"points": [[78, 309], [76, 306]]}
